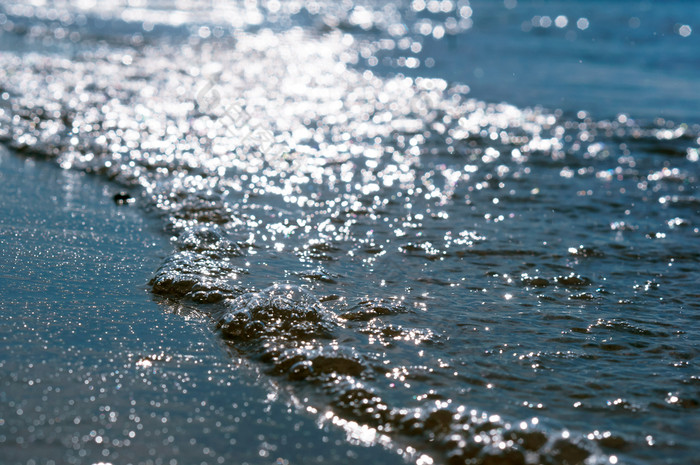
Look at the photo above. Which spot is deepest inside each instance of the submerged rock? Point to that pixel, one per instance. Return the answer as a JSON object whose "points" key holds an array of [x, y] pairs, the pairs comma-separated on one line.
{"points": [[123, 198]]}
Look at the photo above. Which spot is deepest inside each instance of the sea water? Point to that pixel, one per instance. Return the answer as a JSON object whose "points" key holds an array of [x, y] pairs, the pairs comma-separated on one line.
{"points": [[456, 232]]}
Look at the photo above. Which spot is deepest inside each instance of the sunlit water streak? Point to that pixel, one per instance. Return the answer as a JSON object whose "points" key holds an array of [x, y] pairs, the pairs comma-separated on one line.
{"points": [[453, 279]]}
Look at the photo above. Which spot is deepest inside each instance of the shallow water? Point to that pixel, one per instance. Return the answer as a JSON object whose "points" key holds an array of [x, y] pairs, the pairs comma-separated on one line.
{"points": [[453, 280]]}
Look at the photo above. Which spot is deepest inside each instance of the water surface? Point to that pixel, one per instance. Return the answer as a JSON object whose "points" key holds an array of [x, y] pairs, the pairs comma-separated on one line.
{"points": [[354, 214]]}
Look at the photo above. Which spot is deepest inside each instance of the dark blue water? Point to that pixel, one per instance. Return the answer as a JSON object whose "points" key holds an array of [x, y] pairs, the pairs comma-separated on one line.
{"points": [[462, 232], [607, 58]]}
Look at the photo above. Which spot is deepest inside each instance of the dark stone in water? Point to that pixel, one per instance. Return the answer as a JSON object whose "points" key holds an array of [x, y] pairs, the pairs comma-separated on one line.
{"points": [[528, 440], [573, 280], [535, 281], [566, 452], [505, 457], [123, 198], [439, 421]]}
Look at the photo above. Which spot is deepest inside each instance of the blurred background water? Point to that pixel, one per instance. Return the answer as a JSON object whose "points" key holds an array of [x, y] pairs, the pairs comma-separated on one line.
{"points": [[446, 231]]}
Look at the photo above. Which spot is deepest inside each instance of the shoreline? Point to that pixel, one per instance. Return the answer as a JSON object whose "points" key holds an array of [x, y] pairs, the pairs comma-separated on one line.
{"points": [[99, 371]]}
